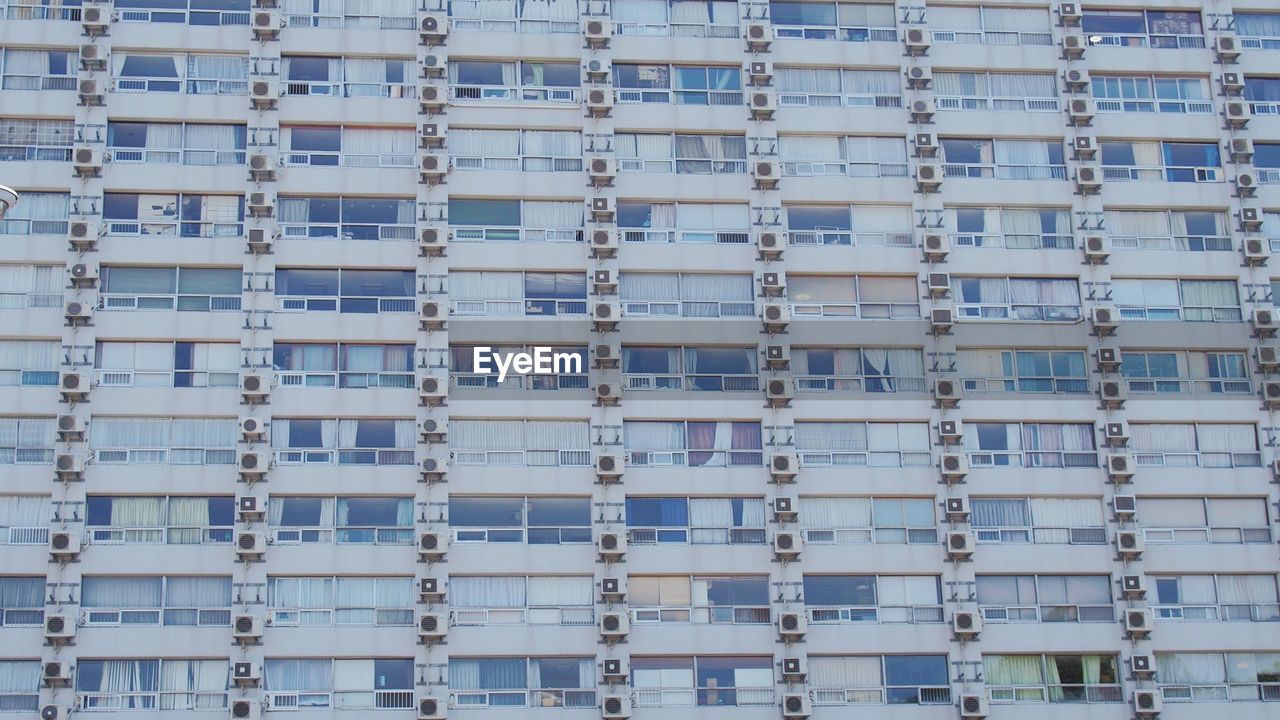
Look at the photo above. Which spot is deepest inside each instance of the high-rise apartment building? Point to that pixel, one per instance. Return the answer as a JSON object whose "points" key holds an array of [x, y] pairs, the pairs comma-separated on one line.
{"points": [[928, 359]]}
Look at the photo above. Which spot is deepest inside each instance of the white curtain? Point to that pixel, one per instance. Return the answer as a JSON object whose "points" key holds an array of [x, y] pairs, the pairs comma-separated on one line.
{"points": [[967, 84], [20, 676], [1196, 668], [1138, 223], [1066, 512], [946, 17], [653, 435], [799, 148], [41, 206], [838, 436], [1023, 85], [651, 287], [1223, 438], [1212, 293], [217, 67], [30, 354], [882, 150], [366, 70], [882, 218], [378, 141], [203, 433], [717, 287], [1237, 512], [1022, 152], [640, 12], [121, 592], [561, 590], [197, 592], [1031, 20], [298, 675], [871, 82], [211, 137], [644, 146], [557, 435], [829, 513], [807, 80], [835, 671], [134, 433], [907, 590], [25, 510], [484, 143], [1172, 512], [301, 592], [487, 591], [548, 143], [1000, 512], [465, 285], [1247, 589], [553, 214], [484, 9]]}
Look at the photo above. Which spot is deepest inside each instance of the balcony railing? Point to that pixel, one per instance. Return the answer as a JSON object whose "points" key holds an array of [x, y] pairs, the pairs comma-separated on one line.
{"points": [[351, 456], [511, 24], [720, 383], [536, 163], [332, 159], [344, 379], [871, 458], [864, 310], [1005, 172], [719, 237], [684, 166], [370, 231], [371, 535], [39, 12], [183, 17], [297, 20], [1014, 241], [12, 81], [857, 383], [530, 307], [1205, 535], [30, 153], [1048, 613], [833, 615], [332, 303], [1158, 386], [523, 698], [992, 37], [1260, 42], [814, 168], [119, 535], [1152, 41], [1033, 459], [1056, 693], [366, 616], [830, 32], [1034, 313], [695, 458], [18, 226], [694, 30], [1043, 535], [24, 535], [28, 378], [1268, 176], [850, 239], [678, 97], [190, 86], [26, 456], [668, 535], [114, 702], [197, 303], [703, 696], [347, 700], [21, 617], [175, 156], [867, 535], [1027, 384], [576, 616], [194, 617], [470, 233], [523, 536], [1164, 105], [976, 102], [1136, 173], [688, 308], [1198, 243], [1195, 458], [519, 382], [854, 100], [1268, 612], [522, 458], [165, 456], [185, 228], [701, 614], [165, 378], [1239, 692], [515, 94], [930, 695], [1221, 313]]}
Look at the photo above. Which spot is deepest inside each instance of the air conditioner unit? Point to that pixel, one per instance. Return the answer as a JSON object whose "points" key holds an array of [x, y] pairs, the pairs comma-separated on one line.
{"points": [[1237, 114], [1265, 322], [56, 673], [64, 544], [1271, 395], [433, 469], [605, 315], [954, 466], [766, 174], [1120, 467], [432, 627], [432, 546], [1069, 13], [59, 629], [615, 670], [1147, 703], [760, 72], [1080, 111], [432, 242], [614, 625], [936, 247], [255, 386], [777, 357], [432, 390], [266, 24], [432, 315], [1076, 80], [613, 589], [1232, 84], [598, 70], [431, 135], [92, 57], [1113, 393], [615, 707], [1105, 319], [599, 101], [73, 386], [796, 705], [54, 712], [960, 544], [1241, 150], [957, 508], [264, 94], [1125, 506], [1227, 48], [929, 176], [606, 353], [432, 97], [245, 710], [1133, 587], [611, 545], [785, 509], [1268, 357], [1109, 360], [966, 623], [1097, 249], [84, 275], [941, 320], [1143, 666], [1085, 147], [946, 392], [68, 467], [87, 161], [770, 244], [926, 144], [1088, 180], [974, 705], [773, 283], [246, 629], [604, 243], [916, 41], [758, 35], [597, 31], [431, 589], [922, 110], [260, 241], [919, 78], [434, 66], [608, 467], [1130, 544], [775, 316], [786, 544], [252, 428], [433, 430], [90, 92], [603, 282], [950, 432], [1250, 219], [795, 669], [262, 168], [602, 171], [1137, 622], [430, 708], [603, 208], [250, 545], [792, 625], [71, 427], [939, 284], [83, 234], [253, 464], [763, 105], [432, 167], [95, 19], [783, 467], [260, 204], [250, 508], [1073, 46], [1256, 252], [433, 29], [1116, 433], [1246, 185], [608, 393]]}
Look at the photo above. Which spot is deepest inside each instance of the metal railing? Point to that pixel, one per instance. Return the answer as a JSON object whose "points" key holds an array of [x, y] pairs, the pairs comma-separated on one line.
{"points": [[1136, 173], [348, 231], [341, 700], [41, 12], [469, 233], [514, 24], [1207, 535], [537, 615], [1042, 535], [992, 37], [366, 535], [529, 307], [695, 458], [1195, 458], [165, 456], [689, 308], [1224, 313], [294, 158], [854, 100], [104, 702], [870, 458], [815, 168], [173, 535], [1151, 41], [858, 383], [834, 615], [183, 16], [1024, 384], [522, 458], [671, 535], [515, 93], [21, 226], [678, 97], [535, 163], [703, 696], [24, 535], [831, 32], [1162, 385], [684, 166], [1034, 459], [1194, 243], [1005, 172], [175, 228], [978, 102], [719, 383], [350, 89], [196, 303], [1014, 241], [344, 379], [701, 614], [334, 303], [545, 535], [1048, 613], [165, 378], [21, 617], [348, 456], [871, 535], [37, 82], [1033, 313], [928, 695], [673, 29], [564, 698], [1056, 693], [28, 378], [346, 616], [865, 310], [194, 617], [703, 236], [29, 153], [296, 20], [1163, 105]]}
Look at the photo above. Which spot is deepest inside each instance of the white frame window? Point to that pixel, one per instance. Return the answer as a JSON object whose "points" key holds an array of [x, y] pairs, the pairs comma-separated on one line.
{"points": [[24, 519], [1205, 520], [489, 600], [983, 25], [1019, 299], [677, 84], [682, 153], [26, 440], [150, 684], [160, 519], [826, 520], [838, 599], [852, 369], [673, 520], [191, 74], [1039, 520], [23, 602], [690, 295], [503, 682], [516, 81], [309, 601], [837, 680], [198, 14], [1155, 28], [1023, 370], [1178, 230], [863, 444], [849, 22], [869, 297], [838, 87], [1186, 371], [1156, 161], [1146, 93], [462, 372], [168, 600], [516, 293], [681, 222], [25, 139], [347, 146], [337, 520], [29, 363], [55, 10], [676, 18], [1009, 228], [853, 156], [693, 444], [1209, 598], [349, 77], [31, 286], [22, 69], [693, 368], [343, 365], [351, 14], [681, 682], [520, 443], [1257, 30], [345, 683], [509, 150], [343, 441], [346, 290], [515, 220], [159, 364], [21, 688], [698, 599], [1029, 679], [183, 215], [1178, 299], [39, 213], [1029, 445], [155, 143], [376, 219], [523, 520], [1041, 598], [525, 16], [186, 289], [1003, 159], [1207, 445], [1196, 677], [1017, 92], [164, 441]]}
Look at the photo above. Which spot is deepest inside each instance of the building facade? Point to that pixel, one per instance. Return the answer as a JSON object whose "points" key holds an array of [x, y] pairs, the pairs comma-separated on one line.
{"points": [[927, 359]]}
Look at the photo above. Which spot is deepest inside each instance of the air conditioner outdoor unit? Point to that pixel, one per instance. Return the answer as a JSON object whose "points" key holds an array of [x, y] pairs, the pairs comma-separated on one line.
{"points": [[1085, 147], [431, 135], [250, 508], [73, 386], [950, 432], [605, 315], [770, 244], [974, 705], [786, 544], [1069, 13], [1133, 587], [796, 705], [926, 144], [954, 466], [929, 176], [1125, 506], [603, 208], [56, 673], [433, 29], [604, 243], [598, 32], [777, 357], [936, 247], [59, 629], [433, 469], [259, 241], [1237, 114], [922, 111], [1097, 249], [432, 626], [1116, 433], [606, 353], [250, 545], [1246, 185], [1268, 357], [92, 57], [608, 467], [614, 625], [939, 284], [613, 589], [1227, 48], [766, 174], [763, 105], [87, 161], [1120, 467], [1073, 46], [432, 241], [946, 392], [792, 625], [966, 623], [600, 101], [919, 78], [611, 545], [260, 204], [255, 386], [95, 19], [1130, 543], [1232, 84], [246, 629], [83, 234], [957, 508], [608, 393], [783, 467], [64, 544], [942, 319], [960, 544], [434, 66], [1105, 319], [432, 390], [916, 41], [598, 70], [615, 670], [1147, 703], [773, 283], [775, 316], [1108, 360], [253, 464], [252, 428], [1081, 111], [1256, 252], [1265, 322], [262, 168], [1113, 393], [264, 94], [1241, 150], [245, 710], [71, 427], [69, 466], [1143, 665], [603, 282], [431, 589], [1077, 80], [1137, 622], [1088, 180], [615, 707], [266, 24], [432, 167], [432, 546], [795, 669], [760, 72], [90, 92], [602, 171], [432, 97], [433, 430], [430, 708], [758, 35], [785, 509], [54, 712], [432, 315]]}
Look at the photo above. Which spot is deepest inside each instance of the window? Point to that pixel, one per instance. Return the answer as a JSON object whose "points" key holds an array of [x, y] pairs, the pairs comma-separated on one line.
{"points": [[345, 520], [1263, 94], [176, 143], [1178, 371], [527, 150], [349, 684], [201, 12], [563, 682], [851, 22], [475, 220], [1142, 93], [865, 296], [349, 77], [31, 286], [26, 440], [868, 369], [39, 213], [682, 154], [678, 84], [568, 363], [45, 10], [343, 365], [331, 145], [168, 684], [515, 293], [726, 223], [1169, 161], [21, 603], [1003, 159], [20, 679], [1196, 445], [346, 290], [1052, 678], [37, 70], [29, 362], [169, 215], [687, 295], [1052, 520], [24, 519], [158, 288], [1045, 598], [22, 139], [536, 81], [567, 600], [879, 680], [354, 14], [167, 364], [876, 444], [856, 521], [178, 520], [156, 600], [1016, 298], [868, 598], [1233, 520], [1191, 598], [1169, 299], [680, 18], [1182, 230], [164, 441], [520, 443], [1030, 445], [722, 681], [725, 369], [1145, 28], [990, 25], [349, 218], [692, 444], [1258, 30], [813, 155], [369, 601], [1213, 677], [544, 520], [190, 74], [742, 600], [381, 441], [697, 521], [838, 87], [1019, 92], [1010, 228], [1023, 371]]}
